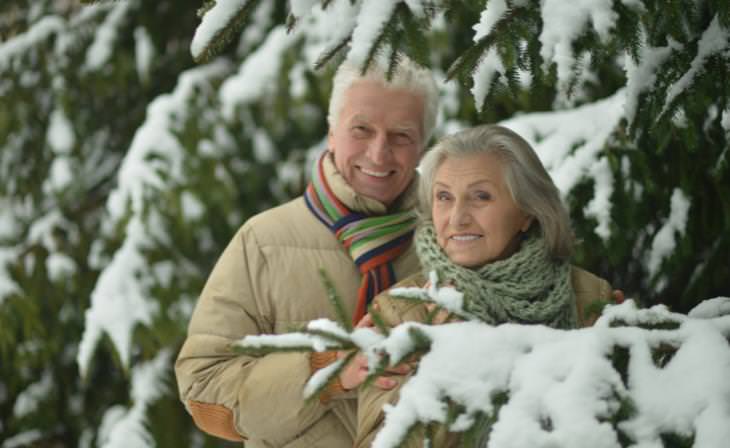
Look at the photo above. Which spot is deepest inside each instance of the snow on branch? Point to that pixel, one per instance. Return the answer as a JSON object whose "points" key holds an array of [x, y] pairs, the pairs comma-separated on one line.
{"points": [[120, 299], [664, 241], [564, 22], [327, 27], [22, 43], [213, 31], [446, 297], [626, 377], [714, 40], [255, 76], [569, 143], [639, 374], [123, 427], [106, 34]]}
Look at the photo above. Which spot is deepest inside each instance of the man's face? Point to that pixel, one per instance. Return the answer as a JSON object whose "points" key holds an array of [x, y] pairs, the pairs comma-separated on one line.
{"points": [[377, 140]]}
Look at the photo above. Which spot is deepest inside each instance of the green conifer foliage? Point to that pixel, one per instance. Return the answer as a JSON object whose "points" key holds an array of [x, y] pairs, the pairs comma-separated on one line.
{"points": [[669, 59]]}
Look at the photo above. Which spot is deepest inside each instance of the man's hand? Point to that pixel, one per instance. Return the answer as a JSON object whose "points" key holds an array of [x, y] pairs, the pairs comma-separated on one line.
{"points": [[618, 296], [356, 371]]}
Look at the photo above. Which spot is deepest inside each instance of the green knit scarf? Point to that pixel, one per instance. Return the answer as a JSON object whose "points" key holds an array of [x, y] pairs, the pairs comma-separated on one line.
{"points": [[528, 287]]}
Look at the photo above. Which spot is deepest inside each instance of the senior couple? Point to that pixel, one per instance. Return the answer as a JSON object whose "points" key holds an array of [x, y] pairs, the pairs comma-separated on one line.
{"points": [[491, 223]]}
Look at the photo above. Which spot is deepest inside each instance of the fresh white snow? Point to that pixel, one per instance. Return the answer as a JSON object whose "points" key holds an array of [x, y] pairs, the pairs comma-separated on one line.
{"points": [[563, 378], [676, 223]]}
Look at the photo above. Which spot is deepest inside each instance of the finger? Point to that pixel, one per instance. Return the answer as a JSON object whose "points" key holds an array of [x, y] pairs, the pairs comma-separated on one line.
{"points": [[401, 369], [385, 383], [618, 296], [360, 361], [366, 321], [441, 317]]}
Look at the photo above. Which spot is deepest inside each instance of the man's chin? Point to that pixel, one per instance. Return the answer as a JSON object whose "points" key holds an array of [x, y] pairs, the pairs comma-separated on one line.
{"points": [[383, 195]]}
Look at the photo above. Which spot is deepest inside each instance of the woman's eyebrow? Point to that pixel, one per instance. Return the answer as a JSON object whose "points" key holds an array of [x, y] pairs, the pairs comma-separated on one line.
{"points": [[472, 184]]}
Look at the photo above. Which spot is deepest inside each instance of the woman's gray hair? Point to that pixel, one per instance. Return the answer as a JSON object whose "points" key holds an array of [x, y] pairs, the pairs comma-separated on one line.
{"points": [[528, 182], [407, 76]]}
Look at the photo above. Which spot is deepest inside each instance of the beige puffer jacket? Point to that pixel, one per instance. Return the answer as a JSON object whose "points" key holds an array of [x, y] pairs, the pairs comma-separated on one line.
{"points": [[588, 289], [266, 281]]}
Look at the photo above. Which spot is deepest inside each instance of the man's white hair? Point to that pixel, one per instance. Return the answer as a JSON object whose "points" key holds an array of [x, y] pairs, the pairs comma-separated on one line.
{"points": [[407, 76]]}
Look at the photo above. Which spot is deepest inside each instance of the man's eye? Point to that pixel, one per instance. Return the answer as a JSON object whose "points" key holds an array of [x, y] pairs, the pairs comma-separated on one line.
{"points": [[360, 131], [402, 138]]}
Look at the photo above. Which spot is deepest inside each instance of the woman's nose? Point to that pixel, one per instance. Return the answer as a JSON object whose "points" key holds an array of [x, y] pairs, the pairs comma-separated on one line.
{"points": [[460, 215]]}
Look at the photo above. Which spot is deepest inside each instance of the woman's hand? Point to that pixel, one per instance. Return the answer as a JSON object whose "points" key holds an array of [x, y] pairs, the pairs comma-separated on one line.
{"points": [[441, 315]]}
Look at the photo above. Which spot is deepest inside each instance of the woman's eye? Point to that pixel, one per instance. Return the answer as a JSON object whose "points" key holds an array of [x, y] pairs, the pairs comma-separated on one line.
{"points": [[442, 196], [483, 196]]}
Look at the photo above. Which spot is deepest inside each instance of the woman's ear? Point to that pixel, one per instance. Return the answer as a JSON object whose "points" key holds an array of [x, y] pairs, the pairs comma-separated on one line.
{"points": [[527, 223]]}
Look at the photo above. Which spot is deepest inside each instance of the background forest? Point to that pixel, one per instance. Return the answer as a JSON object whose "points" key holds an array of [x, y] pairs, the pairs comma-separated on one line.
{"points": [[136, 137]]}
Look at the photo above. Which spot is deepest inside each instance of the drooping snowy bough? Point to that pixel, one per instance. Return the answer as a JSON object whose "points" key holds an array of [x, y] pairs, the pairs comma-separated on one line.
{"points": [[638, 377]]}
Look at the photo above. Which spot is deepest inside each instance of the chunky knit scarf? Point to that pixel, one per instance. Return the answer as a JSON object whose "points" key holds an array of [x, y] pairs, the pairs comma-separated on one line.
{"points": [[373, 242], [527, 287]]}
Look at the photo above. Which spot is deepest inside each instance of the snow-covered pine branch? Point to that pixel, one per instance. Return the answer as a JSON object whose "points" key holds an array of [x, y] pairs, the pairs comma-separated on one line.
{"points": [[640, 376], [447, 297]]}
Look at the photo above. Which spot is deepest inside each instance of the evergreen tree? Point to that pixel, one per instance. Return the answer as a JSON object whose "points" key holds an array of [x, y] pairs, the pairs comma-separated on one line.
{"points": [[125, 172], [653, 193]]}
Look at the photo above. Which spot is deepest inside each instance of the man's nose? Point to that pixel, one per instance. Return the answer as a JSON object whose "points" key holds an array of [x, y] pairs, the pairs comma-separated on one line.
{"points": [[378, 149]]}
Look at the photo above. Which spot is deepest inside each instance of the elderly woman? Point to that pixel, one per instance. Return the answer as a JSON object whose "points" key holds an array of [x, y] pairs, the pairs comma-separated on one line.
{"points": [[493, 226]]}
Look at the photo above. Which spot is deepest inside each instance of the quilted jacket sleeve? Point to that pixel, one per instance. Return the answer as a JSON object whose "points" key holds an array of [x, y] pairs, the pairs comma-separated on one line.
{"points": [[233, 396]]}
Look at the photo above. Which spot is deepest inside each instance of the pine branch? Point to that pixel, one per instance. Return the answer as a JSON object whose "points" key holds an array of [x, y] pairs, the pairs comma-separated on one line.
{"points": [[207, 6], [329, 53], [378, 321], [331, 374], [336, 301], [343, 343], [291, 23], [223, 36], [465, 65], [393, 60], [377, 372], [379, 42], [413, 34], [264, 350], [628, 29]]}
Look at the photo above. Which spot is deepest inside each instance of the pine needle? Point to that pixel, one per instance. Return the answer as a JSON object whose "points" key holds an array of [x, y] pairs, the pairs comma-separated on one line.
{"points": [[336, 301]]}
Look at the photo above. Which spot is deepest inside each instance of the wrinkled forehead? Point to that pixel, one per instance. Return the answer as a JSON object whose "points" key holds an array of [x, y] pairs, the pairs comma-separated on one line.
{"points": [[371, 101], [469, 169]]}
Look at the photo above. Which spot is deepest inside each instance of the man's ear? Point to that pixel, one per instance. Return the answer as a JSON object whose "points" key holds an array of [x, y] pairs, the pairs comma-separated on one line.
{"points": [[330, 144]]}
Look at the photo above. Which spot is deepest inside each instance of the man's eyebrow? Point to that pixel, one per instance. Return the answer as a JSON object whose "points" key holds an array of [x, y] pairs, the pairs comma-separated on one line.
{"points": [[405, 128], [359, 117]]}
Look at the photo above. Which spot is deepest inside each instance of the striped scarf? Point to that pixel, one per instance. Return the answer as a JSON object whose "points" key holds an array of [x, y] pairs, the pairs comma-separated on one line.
{"points": [[373, 242]]}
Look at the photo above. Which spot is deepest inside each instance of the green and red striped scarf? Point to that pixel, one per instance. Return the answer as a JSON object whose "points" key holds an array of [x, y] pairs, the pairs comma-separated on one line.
{"points": [[373, 242]]}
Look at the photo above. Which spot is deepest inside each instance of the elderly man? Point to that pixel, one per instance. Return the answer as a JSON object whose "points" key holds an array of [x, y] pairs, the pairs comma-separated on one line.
{"points": [[356, 222]]}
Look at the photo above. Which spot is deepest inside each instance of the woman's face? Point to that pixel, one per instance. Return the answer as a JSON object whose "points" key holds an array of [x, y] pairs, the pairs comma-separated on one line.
{"points": [[475, 217]]}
